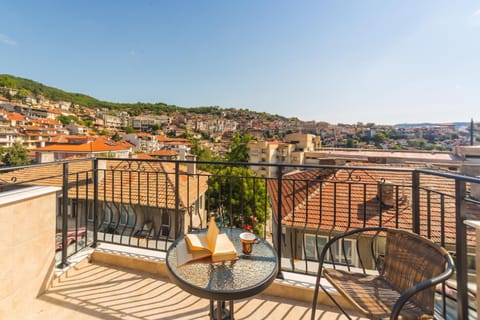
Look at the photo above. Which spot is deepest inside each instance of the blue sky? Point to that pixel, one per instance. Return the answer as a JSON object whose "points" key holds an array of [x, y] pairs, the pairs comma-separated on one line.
{"points": [[338, 61]]}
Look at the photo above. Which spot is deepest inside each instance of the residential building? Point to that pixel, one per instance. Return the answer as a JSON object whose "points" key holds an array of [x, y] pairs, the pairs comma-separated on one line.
{"points": [[76, 129], [176, 144], [8, 136], [35, 136], [304, 142], [268, 152], [97, 148], [111, 122], [145, 123], [143, 142]]}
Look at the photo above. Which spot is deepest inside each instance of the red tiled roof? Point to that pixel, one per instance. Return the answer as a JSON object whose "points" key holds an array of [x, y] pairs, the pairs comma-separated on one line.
{"points": [[13, 116], [46, 121], [348, 199], [167, 139], [123, 181], [143, 156], [99, 145], [164, 152]]}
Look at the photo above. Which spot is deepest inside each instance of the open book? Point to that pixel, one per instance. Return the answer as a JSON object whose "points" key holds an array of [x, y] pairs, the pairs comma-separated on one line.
{"points": [[211, 244]]}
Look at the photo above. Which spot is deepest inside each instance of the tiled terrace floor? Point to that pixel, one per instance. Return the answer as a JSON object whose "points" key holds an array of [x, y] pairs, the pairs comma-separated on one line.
{"points": [[96, 291]]}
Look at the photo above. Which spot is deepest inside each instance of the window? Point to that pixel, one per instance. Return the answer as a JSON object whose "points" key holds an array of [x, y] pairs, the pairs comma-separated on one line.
{"points": [[127, 217], [200, 202], [90, 212], [311, 248], [72, 208], [348, 245], [110, 216]]}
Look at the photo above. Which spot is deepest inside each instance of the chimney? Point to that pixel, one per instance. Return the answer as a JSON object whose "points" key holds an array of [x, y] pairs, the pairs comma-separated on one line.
{"points": [[471, 133], [192, 166], [385, 193], [475, 190]]}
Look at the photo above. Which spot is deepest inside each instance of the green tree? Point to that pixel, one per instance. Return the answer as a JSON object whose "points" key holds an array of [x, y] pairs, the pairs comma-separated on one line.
{"points": [[14, 155], [154, 129], [23, 93], [66, 120], [129, 130], [350, 143], [116, 137], [88, 123], [239, 198], [379, 138], [239, 149]]}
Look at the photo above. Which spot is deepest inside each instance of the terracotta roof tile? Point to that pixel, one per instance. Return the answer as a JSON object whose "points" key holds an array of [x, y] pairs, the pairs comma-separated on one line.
{"points": [[348, 199], [122, 181], [99, 145]]}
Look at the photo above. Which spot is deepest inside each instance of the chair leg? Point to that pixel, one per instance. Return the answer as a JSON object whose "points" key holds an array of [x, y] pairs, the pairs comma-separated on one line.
{"points": [[336, 303]]}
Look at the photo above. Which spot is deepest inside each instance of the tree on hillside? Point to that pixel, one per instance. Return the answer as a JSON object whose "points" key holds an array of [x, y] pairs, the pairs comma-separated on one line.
{"points": [[15, 155], [66, 120]]}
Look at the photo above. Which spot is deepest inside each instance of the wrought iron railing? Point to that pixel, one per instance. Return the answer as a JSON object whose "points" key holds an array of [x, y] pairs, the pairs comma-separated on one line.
{"points": [[149, 203]]}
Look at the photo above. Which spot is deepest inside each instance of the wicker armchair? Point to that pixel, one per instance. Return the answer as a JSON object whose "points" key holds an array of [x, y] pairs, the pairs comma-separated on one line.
{"points": [[403, 287]]}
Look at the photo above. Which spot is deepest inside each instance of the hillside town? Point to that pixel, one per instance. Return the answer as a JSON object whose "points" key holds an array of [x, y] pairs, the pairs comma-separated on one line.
{"points": [[60, 130]]}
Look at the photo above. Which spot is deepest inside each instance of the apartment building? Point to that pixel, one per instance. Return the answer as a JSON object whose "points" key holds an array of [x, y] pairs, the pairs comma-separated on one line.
{"points": [[8, 136], [269, 152], [143, 142], [111, 122], [304, 142], [145, 123], [290, 151]]}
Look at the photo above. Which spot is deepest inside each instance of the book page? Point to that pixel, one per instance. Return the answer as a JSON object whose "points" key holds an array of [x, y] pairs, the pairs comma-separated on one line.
{"points": [[197, 241], [184, 255], [224, 249], [212, 234]]}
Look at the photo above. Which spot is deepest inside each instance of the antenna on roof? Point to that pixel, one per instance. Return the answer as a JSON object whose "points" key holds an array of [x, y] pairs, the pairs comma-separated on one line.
{"points": [[471, 132]]}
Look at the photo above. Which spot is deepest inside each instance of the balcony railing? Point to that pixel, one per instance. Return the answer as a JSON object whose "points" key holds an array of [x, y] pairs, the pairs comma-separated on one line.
{"points": [[145, 203]]}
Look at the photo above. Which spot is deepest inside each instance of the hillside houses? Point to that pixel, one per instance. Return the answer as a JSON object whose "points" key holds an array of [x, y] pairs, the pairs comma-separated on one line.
{"points": [[33, 122]]}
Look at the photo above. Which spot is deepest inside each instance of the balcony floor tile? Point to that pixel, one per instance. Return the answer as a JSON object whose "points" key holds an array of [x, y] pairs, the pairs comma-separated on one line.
{"points": [[95, 291]]}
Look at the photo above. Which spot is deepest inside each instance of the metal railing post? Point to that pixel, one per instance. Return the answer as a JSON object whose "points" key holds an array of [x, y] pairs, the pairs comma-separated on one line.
{"points": [[416, 202], [461, 250], [95, 201], [64, 262], [279, 221], [177, 200]]}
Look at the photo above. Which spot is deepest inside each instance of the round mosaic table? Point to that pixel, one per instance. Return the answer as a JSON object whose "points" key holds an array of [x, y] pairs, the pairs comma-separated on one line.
{"points": [[226, 281]]}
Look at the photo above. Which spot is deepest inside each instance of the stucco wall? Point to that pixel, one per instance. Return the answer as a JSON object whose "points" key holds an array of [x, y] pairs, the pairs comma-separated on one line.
{"points": [[27, 251]]}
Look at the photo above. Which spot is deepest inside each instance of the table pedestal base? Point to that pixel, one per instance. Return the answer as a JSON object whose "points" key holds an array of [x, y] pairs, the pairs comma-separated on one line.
{"points": [[221, 312]]}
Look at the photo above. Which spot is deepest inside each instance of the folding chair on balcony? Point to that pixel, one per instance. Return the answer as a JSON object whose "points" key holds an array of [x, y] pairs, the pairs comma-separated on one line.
{"points": [[403, 286]]}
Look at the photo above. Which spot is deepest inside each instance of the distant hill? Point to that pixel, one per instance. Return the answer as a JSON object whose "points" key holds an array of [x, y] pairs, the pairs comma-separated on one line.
{"points": [[35, 89], [32, 88], [428, 124]]}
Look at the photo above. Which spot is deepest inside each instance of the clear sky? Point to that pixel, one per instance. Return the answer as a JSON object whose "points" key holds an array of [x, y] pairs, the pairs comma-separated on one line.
{"points": [[338, 61]]}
